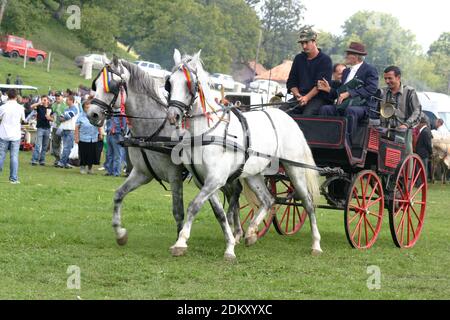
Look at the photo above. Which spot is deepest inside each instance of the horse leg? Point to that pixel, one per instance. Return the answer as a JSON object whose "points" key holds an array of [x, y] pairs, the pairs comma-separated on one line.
{"points": [[177, 203], [298, 179], [233, 214], [180, 247], [222, 219], [257, 185], [134, 181]]}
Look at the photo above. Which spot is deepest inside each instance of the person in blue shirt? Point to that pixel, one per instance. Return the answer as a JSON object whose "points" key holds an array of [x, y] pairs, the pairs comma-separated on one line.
{"points": [[68, 119], [87, 136], [116, 127]]}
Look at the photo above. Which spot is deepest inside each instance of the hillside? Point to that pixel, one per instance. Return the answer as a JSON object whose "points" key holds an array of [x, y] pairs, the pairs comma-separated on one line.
{"points": [[63, 74]]}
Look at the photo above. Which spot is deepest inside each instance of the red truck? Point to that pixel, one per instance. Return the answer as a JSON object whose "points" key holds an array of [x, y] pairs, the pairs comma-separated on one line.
{"points": [[15, 47]]}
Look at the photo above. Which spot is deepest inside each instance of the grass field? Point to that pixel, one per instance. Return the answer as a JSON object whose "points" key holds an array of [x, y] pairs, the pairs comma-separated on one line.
{"points": [[57, 218]]}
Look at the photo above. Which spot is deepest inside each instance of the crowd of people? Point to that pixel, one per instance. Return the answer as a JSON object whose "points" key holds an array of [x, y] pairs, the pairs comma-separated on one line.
{"points": [[63, 130]]}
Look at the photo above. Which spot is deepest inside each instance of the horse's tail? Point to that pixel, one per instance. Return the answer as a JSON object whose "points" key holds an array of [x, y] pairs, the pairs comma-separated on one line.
{"points": [[312, 176]]}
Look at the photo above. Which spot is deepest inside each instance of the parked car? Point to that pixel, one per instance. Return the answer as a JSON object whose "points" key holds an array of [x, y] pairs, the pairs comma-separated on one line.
{"points": [[98, 60], [154, 69], [15, 47], [265, 86], [219, 80]]}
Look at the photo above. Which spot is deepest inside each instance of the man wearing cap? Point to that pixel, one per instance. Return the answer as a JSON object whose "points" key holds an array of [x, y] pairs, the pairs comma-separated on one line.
{"points": [[365, 80], [308, 68]]}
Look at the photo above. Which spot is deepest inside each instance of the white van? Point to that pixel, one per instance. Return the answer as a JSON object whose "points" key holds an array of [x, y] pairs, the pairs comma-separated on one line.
{"points": [[435, 106]]}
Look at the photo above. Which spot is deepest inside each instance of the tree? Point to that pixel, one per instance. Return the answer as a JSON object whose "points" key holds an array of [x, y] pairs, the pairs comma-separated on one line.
{"points": [[281, 23], [387, 43], [439, 54], [94, 33], [3, 4], [442, 45], [22, 17]]}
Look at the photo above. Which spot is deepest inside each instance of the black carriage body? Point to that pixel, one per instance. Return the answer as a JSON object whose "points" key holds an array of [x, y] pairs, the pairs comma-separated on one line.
{"points": [[326, 137]]}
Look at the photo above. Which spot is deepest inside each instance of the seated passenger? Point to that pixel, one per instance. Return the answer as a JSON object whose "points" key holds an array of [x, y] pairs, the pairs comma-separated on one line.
{"points": [[308, 67], [360, 83]]}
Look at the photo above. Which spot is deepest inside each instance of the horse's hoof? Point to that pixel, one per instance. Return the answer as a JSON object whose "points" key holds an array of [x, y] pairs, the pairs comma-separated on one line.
{"points": [[178, 251], [251, 240], [316, 252], [229, 257], [123, 240], [237, 238]]}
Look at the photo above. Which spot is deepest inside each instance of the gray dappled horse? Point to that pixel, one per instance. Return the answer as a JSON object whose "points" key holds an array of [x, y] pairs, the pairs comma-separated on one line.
{"points": [[124, 84]]}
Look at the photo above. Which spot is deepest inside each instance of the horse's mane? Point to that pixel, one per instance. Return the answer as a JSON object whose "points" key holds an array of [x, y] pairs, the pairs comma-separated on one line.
{"points": [[203, 79], [141, 82]]}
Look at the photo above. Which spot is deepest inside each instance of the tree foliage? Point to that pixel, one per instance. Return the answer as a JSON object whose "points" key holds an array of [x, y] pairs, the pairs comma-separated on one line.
{"points": [[386, 41], [18, 19], [281, 23]]}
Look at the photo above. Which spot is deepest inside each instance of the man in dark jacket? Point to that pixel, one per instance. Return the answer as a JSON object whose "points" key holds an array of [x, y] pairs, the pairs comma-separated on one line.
{"points": [[424, 146], [359, 85], [308, 67]]}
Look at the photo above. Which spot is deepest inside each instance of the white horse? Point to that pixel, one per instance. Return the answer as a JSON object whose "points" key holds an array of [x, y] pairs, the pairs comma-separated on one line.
{"points": [[270, 132]]}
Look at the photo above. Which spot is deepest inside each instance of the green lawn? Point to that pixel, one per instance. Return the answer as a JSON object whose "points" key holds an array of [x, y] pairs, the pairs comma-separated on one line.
{"points": [[57, 218]]}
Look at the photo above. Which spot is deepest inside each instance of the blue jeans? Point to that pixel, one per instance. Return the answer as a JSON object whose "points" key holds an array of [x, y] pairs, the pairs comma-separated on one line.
{"points": [[40, 146], [67, 140], [113, 164], [14, 147]]}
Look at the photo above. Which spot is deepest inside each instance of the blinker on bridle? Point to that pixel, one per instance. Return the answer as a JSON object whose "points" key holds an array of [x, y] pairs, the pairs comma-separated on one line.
{"points": [[193, 86], [110, 86]]}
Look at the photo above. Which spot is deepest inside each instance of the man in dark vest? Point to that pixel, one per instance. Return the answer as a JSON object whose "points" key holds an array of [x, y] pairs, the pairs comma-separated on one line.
{"points": [[308, 67], [408, 107]]}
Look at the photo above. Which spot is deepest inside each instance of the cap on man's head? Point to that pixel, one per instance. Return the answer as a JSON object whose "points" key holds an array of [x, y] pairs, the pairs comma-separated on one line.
{"points": [[307, 34], [58, 94]]}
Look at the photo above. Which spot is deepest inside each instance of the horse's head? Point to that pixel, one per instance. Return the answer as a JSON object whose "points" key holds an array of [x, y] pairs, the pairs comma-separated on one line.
{"points": [[182, 86], [110, 88]]}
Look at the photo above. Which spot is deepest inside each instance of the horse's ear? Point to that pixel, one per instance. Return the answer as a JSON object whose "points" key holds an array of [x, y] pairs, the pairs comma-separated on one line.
{"points": [[196, 57], [115, 60], [177, 57]]}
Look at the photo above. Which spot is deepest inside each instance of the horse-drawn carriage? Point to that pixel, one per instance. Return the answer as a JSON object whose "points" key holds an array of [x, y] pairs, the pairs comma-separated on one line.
{"points": [[376, 174], [221, 144]]}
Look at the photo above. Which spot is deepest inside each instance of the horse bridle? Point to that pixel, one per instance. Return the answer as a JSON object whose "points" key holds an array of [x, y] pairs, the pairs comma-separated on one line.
{"points": [[193, 87], [115, 88]]}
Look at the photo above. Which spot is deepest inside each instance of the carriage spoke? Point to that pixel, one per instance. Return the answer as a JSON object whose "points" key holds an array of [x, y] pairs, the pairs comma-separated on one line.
{"points": [[418, 190], [401, 221], [370, 225], [415, 179], [250, 215], [415, 213], [374, 202], [363, 191], [366, 232], [374, 188], [356, 197], [358, 226], [375, 215]]}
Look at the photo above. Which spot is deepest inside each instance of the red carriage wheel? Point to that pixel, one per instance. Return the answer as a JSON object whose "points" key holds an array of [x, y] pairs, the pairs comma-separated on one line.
{"points": [[247, 212], [289, 214], [407, 211], [364, 210]]}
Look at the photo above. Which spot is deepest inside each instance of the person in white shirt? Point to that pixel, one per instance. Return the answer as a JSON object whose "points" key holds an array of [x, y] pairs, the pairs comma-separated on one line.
{"points": [[11, 116]]}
